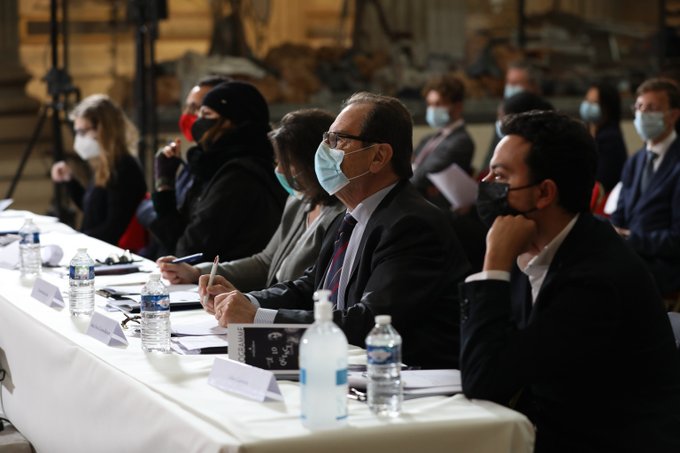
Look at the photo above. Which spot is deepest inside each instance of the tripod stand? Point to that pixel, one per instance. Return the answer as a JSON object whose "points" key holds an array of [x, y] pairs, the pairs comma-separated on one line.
{"points": [[59, 86]]}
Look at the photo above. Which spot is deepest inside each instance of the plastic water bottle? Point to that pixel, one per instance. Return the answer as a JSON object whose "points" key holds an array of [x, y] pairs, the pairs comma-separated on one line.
{"points": [[155, 308], [29, 249], [81, 283], [383, 351], [323, 369]]}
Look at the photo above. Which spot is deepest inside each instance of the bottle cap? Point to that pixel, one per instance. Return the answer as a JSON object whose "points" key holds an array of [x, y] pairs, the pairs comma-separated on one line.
{"points": [[82, 249], [323, 309], [155, 276], [383, 320]]}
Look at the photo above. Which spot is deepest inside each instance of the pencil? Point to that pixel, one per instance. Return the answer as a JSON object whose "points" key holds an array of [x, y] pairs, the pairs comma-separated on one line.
{"points": [[213, 271]]}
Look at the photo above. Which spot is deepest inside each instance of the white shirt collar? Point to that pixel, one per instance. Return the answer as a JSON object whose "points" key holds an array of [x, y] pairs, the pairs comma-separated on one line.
{"points": [[662, 147], [537, 267], [363, 211]]}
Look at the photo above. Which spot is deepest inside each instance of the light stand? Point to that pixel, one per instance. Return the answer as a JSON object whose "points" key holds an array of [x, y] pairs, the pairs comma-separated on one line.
{"points": [[60, 87]]}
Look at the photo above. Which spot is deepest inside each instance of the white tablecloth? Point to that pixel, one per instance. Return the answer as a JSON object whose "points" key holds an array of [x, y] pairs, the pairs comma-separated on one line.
{"points": [[67, 392]]}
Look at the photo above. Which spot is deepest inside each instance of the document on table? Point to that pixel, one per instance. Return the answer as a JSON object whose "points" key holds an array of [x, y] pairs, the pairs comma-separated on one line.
{"points": [[419, 382], [205, 326], [206, 344]]}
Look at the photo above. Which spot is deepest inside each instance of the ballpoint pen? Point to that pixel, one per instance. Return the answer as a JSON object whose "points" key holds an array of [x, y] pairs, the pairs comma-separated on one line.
{"points": [[190, 259], [213, 271]]}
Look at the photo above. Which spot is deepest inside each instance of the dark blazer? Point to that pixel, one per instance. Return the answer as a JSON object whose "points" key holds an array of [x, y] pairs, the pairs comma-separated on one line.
{"points": [[107, 211], [654, 218], [457, 147], [611, 155], [408, 265], [595, 361]]}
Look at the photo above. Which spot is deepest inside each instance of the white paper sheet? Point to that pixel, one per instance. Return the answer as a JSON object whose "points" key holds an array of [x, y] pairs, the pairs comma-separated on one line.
{"points": [[206, 325], [456, 185]]}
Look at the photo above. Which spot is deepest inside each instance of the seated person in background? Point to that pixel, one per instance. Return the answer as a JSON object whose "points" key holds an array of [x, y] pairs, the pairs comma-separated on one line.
{"points": [[104, 137], [306, 217], [450, 144], [146, 213], [648, 211], [235, 202], [392, 253], [524, 101], [601, 111], [578, 340]]}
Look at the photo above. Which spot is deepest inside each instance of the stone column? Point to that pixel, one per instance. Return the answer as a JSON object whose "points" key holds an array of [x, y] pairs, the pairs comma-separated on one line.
{"points": [[13, 76]]}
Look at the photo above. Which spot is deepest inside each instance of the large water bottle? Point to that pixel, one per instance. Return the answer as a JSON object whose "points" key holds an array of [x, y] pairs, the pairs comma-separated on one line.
{"points": [[155, 308], [323, 369], [81, 283], [29, 249], [383, 351]]}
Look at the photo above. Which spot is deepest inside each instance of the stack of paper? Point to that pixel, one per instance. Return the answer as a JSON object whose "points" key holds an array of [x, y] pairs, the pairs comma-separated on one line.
{"points": [[204, 344]]}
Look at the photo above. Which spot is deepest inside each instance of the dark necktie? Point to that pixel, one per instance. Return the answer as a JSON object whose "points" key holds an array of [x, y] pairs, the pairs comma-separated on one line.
{"points": [[648, 171], [340, 247]]}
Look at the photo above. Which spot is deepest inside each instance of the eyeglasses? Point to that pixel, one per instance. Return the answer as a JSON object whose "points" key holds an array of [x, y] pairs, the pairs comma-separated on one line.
{"points": [[639, 107], [332, 138], [124, 322], [83, 131]]}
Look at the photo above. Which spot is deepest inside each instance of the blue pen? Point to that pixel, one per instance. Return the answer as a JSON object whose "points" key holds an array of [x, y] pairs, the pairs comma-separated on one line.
{"points": [[188, 259]]}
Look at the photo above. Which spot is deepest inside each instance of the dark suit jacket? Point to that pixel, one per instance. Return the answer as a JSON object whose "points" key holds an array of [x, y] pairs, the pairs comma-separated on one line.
{"points": [[595, 360], [408, 265], [611, 155], [457, 147], [654, 217]]}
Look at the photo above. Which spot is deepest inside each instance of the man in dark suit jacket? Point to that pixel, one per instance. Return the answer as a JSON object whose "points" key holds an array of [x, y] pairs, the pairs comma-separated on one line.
{"points": [[578, 340], [648, 211], [451, 144], [403, 258]]}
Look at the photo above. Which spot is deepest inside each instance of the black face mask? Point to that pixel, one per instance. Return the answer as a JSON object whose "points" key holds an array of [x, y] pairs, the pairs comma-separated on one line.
{"points": [[492, 201], [201, 126]]}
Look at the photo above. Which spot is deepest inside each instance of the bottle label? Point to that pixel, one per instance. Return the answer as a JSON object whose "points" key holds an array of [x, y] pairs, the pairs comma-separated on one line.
{"points": [[81, 272], [155, 302], [338, 395], [383, 355], [30, 238]]}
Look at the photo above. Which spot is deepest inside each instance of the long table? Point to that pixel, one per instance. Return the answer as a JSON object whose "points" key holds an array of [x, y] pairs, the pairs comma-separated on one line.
{"points": [[67, 392]]}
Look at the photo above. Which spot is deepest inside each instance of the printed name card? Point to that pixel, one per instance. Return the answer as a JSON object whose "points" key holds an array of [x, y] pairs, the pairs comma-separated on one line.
{"points": [[245, 380], [47, 293], [106, 330]]}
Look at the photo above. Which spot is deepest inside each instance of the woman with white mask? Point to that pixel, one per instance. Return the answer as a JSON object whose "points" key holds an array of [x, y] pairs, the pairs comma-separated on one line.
{"points": [[104, 138]]}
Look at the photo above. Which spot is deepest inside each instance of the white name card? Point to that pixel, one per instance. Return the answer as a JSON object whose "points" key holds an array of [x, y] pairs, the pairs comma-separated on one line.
{"points": [[106, 330], [47, 293], [245, 380]]}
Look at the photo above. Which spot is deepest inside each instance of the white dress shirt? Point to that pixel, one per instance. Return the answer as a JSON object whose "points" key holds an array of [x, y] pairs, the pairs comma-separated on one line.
{"points": [[661, 148], [536, 267]]}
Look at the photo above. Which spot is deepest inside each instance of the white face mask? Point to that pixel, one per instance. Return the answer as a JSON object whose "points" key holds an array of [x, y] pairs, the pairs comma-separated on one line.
{"points": [[86, 147]]}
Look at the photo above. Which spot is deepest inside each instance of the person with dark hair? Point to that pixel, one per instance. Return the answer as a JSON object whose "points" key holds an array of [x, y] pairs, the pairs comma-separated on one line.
{"points": [[521, 76], [648, 210], [308, 213], [564, 323], [392, 253], [235, 202], [601, 111], [450, 144], [104, 138]]}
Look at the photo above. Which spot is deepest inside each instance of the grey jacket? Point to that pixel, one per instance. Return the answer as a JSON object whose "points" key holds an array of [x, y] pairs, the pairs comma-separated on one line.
{"points": [[291, 250]]}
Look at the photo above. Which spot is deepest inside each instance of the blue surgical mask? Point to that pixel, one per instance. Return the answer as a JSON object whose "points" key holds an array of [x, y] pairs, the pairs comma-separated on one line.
{"points": [[286, 186], [511, 90], [499, 133], [649, 125], [437, 116], [327, 166], [590, 112]]}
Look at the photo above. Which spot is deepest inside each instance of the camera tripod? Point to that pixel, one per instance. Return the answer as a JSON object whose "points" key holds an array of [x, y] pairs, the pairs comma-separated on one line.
{"points": [[61, 89]]}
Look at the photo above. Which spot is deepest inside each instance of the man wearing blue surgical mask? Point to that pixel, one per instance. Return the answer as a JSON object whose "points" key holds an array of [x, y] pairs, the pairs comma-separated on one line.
{"points": [[392, 252], [450, 144], [648, 211]]}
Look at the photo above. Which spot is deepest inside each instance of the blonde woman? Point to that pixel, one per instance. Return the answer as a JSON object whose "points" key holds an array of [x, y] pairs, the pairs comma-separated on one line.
{"points": [[104, 137]]}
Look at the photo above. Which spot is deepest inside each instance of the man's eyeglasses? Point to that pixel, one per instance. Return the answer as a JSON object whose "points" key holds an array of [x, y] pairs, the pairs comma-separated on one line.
{"points": [[136, 318], [639, 107], [332, 138]]}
